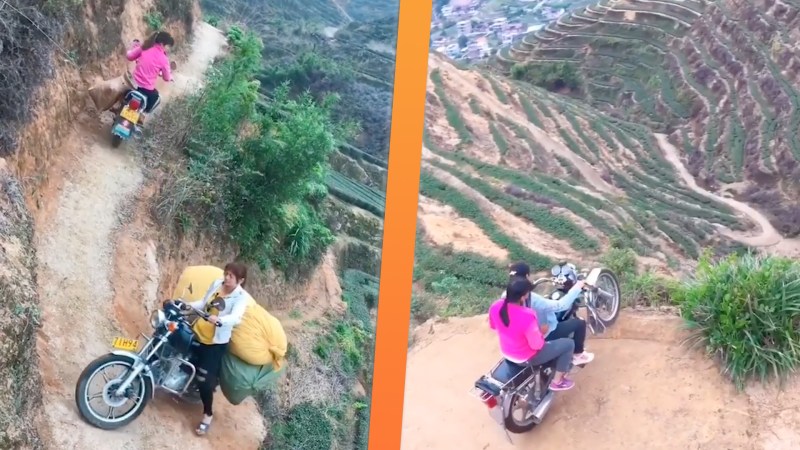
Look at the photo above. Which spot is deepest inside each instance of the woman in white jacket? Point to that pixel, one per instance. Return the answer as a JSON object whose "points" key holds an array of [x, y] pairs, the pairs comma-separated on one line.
{"points": [[225, 301]]}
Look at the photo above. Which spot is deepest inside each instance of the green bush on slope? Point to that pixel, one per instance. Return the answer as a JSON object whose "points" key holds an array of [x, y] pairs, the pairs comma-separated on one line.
{"points": [[745, 309]]}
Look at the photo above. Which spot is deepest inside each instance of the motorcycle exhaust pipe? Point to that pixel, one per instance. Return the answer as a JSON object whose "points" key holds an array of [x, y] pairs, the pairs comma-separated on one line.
{"points": [[543, 406]]}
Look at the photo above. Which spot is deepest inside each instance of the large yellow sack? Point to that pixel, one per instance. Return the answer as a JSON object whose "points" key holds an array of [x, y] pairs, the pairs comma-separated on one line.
{"points": [[259, 339], [108, 92], [195, 281]]}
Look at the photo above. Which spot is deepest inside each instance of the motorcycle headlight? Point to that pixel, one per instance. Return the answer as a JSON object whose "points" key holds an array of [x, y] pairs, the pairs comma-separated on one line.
{"points": [[156, 318], [555, 295]]}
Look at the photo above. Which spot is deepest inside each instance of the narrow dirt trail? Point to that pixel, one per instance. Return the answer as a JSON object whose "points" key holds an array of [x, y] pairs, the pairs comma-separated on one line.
{"points": [[76, 259], [642, 388], [768, 237]]}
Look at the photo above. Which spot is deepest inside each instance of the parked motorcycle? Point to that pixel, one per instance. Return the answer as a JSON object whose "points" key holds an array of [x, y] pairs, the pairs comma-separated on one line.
{"points": [[511, 387], [161, 363]]}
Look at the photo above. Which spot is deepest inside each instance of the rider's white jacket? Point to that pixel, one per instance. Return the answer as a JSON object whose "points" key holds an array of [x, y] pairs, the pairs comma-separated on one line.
{"points": [[235, 305]]}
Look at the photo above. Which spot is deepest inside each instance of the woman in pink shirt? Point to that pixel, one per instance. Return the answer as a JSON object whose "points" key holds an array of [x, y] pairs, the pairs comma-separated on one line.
{"points": [[151, 61], [521, 341]]}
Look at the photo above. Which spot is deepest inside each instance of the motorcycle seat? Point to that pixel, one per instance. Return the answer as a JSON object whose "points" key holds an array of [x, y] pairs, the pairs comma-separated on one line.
{"points": [[507, 370]]}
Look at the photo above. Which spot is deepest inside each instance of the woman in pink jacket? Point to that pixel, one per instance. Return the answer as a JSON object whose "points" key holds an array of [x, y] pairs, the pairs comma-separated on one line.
{"points": [[521, 341], [151, 61]]}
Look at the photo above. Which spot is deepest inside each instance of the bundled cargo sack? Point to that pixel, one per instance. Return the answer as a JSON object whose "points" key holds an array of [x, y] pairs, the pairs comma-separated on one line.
{"points": [[108, 92], [239, 380], [259, 339], [195, 281]]}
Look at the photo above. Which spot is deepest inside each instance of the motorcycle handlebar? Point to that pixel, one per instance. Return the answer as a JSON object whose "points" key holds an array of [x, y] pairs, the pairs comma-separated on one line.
{"points": [[187, 307], [556, 280]]}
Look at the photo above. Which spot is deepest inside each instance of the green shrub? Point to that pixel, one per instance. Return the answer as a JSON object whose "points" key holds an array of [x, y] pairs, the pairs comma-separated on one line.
{"points": [[745, 309], [645, 289], [256, 169], [621, 261], [154, 20]]}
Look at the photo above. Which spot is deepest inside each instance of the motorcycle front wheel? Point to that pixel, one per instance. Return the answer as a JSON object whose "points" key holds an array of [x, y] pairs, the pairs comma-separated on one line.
{"points": [[607, 300], [106, 414]]}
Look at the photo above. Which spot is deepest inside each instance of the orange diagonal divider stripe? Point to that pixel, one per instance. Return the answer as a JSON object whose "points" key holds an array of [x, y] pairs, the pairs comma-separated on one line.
{"points": [[400, 223]]}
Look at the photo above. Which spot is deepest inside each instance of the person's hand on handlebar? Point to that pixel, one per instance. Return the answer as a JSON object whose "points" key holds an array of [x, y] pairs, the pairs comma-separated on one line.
{"points": [[579, 284], [213, 319], [183, 306]]}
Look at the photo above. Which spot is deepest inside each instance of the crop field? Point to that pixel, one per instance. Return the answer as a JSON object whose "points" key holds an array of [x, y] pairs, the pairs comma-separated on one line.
{"points": [[720, 78]]}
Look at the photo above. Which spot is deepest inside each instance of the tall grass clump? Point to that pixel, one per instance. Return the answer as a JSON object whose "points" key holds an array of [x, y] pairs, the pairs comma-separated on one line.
{"points": [[746, 310]]}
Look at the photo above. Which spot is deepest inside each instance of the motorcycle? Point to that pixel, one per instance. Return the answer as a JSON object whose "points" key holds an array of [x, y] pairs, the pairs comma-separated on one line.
{"points": [[127, 119], [161, 363], [508, 386]]}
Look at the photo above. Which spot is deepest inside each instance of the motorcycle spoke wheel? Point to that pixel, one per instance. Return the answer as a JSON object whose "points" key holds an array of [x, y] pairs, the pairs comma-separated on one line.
{"points": [[607, 298], [108, 408], [521, 411]]}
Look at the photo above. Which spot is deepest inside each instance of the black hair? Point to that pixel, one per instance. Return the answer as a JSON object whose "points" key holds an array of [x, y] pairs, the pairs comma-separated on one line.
{"points": [[159, 37], [519, 269], [517, 288]]}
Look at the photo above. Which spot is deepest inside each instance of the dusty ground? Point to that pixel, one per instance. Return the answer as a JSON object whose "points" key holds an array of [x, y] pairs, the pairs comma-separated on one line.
{"points": [[642, 391], [79, 290]]}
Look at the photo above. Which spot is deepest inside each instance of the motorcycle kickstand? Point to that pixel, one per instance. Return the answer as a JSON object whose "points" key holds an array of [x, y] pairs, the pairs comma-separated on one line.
{"points": [[508, 436]]}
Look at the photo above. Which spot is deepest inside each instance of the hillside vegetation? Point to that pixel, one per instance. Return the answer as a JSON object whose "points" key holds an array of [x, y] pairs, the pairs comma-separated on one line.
{"points": [[629, 134], [304, 118], [280, 161], [721, 78], [572, 182]]}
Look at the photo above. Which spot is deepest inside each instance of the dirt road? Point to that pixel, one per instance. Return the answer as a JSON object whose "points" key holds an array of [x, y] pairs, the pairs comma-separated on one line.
{"points": [[643, 390], [76, 254], [768, 237]]}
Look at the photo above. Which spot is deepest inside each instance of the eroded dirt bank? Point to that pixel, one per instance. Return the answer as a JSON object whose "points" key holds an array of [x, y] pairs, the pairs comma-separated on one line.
{"points": [[78, 285], [644, 390]]}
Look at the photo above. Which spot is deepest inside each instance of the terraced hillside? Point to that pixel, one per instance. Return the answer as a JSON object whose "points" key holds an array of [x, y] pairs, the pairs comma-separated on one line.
{"points": [[721, 78], [513, 172]]}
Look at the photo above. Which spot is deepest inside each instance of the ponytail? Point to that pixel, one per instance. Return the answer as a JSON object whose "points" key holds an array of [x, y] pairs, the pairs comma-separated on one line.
{"points": [[504, 312]]}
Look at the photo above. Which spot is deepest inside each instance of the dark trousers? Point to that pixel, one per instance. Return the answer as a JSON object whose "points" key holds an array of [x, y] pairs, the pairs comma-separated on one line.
{"points": [[559, 350], [567, 327], [153, 99], [208, 361]]}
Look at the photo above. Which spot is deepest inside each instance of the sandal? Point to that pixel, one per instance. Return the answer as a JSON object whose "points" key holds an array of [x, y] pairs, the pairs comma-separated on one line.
{"points": [[202, 429]]}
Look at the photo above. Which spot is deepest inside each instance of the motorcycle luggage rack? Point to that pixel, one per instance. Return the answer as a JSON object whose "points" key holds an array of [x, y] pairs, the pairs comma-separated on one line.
{"points": [[500, 385]]}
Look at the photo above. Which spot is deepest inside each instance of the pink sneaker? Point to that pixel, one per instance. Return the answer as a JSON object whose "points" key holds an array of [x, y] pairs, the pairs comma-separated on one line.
{"points": [[565, 385], [583, 358]]}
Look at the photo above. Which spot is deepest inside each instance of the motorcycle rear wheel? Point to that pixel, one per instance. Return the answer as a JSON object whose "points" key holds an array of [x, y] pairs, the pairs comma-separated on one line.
{"points": [[142, 385], [115, 141], [513, 426]]}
